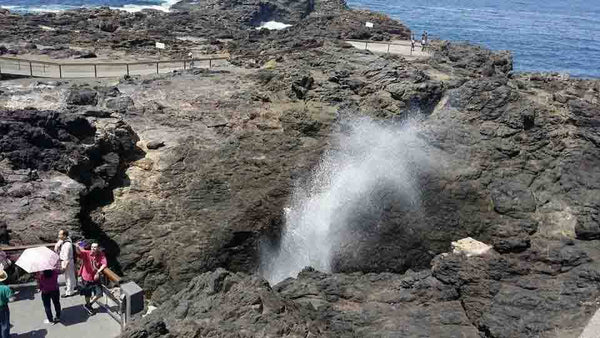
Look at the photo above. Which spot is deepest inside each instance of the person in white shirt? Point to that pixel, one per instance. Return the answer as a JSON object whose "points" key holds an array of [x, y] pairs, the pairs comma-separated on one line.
{"points": [[64, 248]]}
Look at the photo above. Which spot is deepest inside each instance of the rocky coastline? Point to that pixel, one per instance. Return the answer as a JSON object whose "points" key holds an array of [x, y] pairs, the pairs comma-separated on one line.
{"points": [[182, 175]]}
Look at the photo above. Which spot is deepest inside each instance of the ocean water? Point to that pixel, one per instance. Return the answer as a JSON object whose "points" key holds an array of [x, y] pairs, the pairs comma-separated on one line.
{"points": [[544, 35], [37, 6]]}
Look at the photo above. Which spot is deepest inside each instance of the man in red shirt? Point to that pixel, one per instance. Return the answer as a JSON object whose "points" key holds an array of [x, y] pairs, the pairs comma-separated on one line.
{"points": [[92, 263]]}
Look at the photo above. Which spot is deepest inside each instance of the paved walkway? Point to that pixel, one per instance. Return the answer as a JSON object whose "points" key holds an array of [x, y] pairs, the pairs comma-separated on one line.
{"points": [[398, 47], [27, 317], [592, 329]]}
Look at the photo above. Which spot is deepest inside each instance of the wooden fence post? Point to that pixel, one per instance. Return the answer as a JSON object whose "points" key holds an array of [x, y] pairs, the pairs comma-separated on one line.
{"points": [[183, 64], [59, 71], [209, 63], [30, 69], [389, 44], [127, 69], [366, 42], [157, 68], [95, 71]]}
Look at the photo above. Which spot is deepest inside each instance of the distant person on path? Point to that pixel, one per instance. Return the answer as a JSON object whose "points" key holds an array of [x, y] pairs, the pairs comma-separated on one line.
{"points": [[423, 41], [93, 262], [412, 44], [48, 284], [5, 296], [64, 248]]}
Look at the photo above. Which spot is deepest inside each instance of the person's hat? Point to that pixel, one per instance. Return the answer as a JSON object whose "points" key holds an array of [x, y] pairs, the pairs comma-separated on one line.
{"points": [[3, 276]]}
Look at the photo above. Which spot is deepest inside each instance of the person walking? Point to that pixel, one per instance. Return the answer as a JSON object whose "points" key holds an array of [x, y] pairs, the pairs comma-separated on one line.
{"points": [[93, 262], [48, 285], [412, 44], [5, 296], [64, 249]]}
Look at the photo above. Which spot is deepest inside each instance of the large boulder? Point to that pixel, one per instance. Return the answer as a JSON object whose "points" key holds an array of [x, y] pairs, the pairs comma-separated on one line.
{"points": [[82, 96]]}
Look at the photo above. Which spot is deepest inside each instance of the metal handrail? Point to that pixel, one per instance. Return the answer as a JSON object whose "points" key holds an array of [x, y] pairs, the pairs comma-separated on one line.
{"points": [[133, 63], [108, 273]]}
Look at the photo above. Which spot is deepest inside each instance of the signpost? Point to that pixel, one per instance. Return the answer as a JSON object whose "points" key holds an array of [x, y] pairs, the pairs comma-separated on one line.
{"points": [[159, 46]]}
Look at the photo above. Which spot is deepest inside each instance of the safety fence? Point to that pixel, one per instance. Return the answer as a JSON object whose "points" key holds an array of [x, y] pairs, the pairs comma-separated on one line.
{"points": [[50, 69], [36, 68]]}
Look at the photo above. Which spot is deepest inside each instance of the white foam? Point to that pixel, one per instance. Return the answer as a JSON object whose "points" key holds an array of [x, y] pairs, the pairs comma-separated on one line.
{"points": [[165, 6], [368, 159], [273, 25]]}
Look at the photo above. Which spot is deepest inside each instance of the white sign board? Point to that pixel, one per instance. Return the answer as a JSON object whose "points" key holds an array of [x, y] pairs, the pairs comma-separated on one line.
{"points": [[160, 45], [369, 24]]}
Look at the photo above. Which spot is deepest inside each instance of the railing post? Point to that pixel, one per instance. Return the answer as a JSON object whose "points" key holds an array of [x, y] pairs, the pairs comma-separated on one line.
{"points": [[157, 68], [209, 63], [389, 44], [183, 64], [44, 68], [95, 71], [127, 69], [59, 71], [366, 43], [30, 69]]}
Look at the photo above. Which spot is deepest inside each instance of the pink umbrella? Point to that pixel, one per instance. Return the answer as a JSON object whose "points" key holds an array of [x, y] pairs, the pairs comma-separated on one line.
{"points": [[38, 259]]}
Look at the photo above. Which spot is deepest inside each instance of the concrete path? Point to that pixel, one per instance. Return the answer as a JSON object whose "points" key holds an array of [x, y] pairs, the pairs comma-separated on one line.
{"points": [[27, 318], [592, 329], [398, 47]]}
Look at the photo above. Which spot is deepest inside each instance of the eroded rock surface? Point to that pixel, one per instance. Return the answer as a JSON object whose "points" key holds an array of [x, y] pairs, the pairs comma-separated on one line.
{"points": [[517, 158], [52, 165]]}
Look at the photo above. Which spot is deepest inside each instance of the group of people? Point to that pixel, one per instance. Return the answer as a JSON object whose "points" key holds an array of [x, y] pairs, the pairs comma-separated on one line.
{"points": [[424, 42], [89, 264]]}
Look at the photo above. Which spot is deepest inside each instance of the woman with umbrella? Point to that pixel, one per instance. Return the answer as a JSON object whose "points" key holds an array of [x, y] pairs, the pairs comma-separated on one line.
{"points": [[44, 262]]}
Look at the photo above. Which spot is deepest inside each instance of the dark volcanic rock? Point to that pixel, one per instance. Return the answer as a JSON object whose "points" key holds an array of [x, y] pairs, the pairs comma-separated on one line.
{"points": [[82, 96], [516, 158], [51, 163], [155, 144], [120, 104]]}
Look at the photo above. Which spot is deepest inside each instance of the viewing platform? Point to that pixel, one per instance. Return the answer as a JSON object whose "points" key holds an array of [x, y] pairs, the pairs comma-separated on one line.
{"points": [[27, 317], [112, 311]]}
